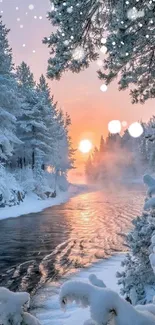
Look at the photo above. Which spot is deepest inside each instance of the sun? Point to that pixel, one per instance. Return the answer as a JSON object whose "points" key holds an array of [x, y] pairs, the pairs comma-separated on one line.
{"points": [[85, 146]]}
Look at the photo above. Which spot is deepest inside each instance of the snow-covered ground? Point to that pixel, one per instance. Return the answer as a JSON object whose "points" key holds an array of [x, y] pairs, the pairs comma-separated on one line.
{"points": [[32, 204], [47, 300]]}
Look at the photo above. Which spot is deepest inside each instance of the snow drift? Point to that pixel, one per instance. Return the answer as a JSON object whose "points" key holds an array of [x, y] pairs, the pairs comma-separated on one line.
{"points": [[106, 306]]}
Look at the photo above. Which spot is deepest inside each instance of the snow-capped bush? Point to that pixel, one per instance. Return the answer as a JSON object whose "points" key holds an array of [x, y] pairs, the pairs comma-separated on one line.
{"points": [[10, 191], [11, 308], [106, 306], [62, 183], [25, 178], [95, 281]]}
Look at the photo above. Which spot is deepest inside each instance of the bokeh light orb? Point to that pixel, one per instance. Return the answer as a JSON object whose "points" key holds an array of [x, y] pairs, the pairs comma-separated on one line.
{"points": [[114, 126], [135, 130], [124, 124], [103, 88]]}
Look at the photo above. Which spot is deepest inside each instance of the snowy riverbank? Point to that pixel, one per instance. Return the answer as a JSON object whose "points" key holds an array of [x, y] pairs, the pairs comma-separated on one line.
{"points": [[32, 204], [47, 300]]}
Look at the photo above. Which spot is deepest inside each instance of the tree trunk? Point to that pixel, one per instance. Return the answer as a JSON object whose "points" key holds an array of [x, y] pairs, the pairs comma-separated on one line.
{"points": [[33, 159]]}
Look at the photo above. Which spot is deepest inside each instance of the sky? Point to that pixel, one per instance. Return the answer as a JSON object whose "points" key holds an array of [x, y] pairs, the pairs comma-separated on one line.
{"points": [[78, 94]]}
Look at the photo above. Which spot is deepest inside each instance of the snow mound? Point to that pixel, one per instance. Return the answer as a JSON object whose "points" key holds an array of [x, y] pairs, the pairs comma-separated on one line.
{"points": [[150, 204], [11, 308], [95, 281], [148, 180], [106, 306]]}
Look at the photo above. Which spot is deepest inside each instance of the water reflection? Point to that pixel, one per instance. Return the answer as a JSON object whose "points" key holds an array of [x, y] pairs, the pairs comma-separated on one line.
{"points": [[55, 242]]}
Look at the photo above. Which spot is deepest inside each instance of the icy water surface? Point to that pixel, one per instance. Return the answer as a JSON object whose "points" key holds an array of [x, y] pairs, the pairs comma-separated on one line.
{"points": [[45, 246]]}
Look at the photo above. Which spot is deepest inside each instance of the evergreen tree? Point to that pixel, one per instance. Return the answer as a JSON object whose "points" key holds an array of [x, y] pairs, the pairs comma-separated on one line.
{"points": [[32, 128], [128, 27], [63, 153], [138, 276], [9, 101], [102, 145], [48, 115]]}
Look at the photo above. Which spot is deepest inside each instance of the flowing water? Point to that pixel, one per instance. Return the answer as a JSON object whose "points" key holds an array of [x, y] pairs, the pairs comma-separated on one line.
{"points": [[45, 246]]}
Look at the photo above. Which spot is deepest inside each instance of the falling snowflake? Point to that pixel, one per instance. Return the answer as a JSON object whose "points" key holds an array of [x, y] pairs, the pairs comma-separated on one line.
{"points": [[66, 43], [103, 49], [69, 10], [103, 40], [31, 6], [78, 53]]}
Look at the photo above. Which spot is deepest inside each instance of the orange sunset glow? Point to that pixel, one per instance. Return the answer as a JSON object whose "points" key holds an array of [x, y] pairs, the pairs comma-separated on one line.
{"points": [[80, 95]]}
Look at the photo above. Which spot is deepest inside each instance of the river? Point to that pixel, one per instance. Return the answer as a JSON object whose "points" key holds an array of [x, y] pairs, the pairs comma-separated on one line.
{"points": [[45, 246]]}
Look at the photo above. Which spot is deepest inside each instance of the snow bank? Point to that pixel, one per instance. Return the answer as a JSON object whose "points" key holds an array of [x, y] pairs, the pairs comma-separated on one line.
{"points": [[11, 308], [32, 204]]}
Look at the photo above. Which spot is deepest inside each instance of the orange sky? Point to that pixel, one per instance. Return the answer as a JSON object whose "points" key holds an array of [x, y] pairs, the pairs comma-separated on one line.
{"points": [[80, 95]]}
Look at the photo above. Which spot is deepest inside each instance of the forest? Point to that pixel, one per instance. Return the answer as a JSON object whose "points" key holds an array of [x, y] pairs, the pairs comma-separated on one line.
{"points": [[35, 145], [122, 158]]}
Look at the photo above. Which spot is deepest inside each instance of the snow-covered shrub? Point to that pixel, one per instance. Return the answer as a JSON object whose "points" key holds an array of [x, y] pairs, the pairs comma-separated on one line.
{"points": [[137, 276], [62, 182], [25, 178], [37, 181], [12, 308], [95, 281], [10, 191], [106, 306]]}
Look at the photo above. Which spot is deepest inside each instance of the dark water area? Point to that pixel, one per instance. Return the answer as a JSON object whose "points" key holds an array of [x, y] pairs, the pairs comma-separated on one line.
{"points": [[45, 246]]}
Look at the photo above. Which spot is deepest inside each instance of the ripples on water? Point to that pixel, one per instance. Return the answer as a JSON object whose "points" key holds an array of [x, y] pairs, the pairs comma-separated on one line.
{"points": [[45, 246]]}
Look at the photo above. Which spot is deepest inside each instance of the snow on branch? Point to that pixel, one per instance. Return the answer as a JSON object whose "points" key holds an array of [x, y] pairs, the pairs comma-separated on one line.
{"points": [[150, 204], [149, 180], [106, 306], [11, 308], [150, 201]]}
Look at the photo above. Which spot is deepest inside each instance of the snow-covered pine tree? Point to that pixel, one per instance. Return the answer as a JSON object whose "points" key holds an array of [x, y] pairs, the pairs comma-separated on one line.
{"points": [[9, 99], [102, 145], [49, 114], [63, 155], [124, 30], [32, 127], [137, 276], [150, 144]]}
